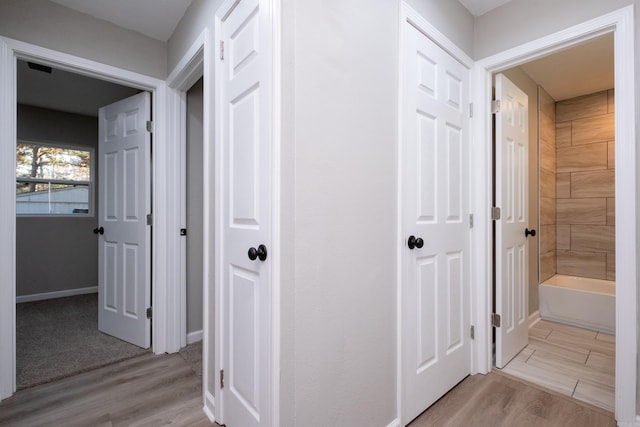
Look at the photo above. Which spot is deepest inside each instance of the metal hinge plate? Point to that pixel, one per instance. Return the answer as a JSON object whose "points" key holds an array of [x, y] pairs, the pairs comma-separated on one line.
{"points": [[495, 320], [470, 220], [471, 110], [495, 106], [221, 50], [149, 126], [472, 332], [221, 378], [149, 313], [149, 219], [495, 213]]}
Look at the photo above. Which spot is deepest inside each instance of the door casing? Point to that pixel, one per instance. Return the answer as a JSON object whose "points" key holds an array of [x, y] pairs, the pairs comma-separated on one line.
{"points": [[621, 23], [166, 337]]}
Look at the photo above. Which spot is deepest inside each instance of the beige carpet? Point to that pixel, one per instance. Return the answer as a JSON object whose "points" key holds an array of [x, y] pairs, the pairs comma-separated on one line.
{"points": [[59, 337]]}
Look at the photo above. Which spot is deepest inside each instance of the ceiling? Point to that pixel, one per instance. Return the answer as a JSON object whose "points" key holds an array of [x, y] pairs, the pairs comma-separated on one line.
{"points": [[65, 91], [480, 7], [581, 70]]}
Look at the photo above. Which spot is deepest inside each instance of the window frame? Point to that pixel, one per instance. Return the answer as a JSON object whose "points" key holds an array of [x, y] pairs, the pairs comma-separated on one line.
{"points": [[89, 184]]}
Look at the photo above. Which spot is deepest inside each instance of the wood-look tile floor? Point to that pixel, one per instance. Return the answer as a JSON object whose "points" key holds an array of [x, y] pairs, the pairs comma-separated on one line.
{"points": [[575, 362], [147, 390]]}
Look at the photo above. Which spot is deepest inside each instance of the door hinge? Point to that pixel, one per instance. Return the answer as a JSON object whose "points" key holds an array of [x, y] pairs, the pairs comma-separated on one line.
{"points": [[149, 126], [495, 320], [495, 106], [221, 378], [149, 219], [149, 312], [472, 332], [183, 231], [470, 220], [221, 50], [495, 213], [471, 110]]}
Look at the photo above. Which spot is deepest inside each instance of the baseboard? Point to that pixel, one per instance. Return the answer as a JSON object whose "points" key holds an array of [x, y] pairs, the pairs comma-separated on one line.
{"points": [[394, 423], [56, 294], [194, 336], [534, 318], [209, 406]]}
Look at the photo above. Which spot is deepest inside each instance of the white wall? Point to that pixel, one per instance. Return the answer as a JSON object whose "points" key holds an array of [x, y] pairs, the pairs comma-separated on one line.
{"points": [[199, 15], [56, 253], [50, 25], [520, 21], [343, 123]]}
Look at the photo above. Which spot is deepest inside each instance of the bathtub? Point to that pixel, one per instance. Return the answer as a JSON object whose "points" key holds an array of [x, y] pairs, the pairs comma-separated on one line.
{"points": [[578, 301]]}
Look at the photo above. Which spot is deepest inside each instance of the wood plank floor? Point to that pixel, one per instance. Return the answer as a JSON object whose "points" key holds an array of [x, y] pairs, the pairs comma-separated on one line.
{"points": [[147, 390], [154, 390], [573, 361], [496, 400]]}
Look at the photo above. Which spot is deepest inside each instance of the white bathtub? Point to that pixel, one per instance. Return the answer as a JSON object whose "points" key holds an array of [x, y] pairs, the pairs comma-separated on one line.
{"points": [[578, 301]]}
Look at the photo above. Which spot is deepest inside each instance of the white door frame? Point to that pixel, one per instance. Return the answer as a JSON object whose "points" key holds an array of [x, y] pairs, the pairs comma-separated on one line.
{"points": [[196, 63], [165, 180], [621, 23], [412, 17]]}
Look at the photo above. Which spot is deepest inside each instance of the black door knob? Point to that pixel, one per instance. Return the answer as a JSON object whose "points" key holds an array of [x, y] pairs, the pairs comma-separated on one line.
{"points": [[98, 230], [528, 232], [414, 242], [260, 253]]}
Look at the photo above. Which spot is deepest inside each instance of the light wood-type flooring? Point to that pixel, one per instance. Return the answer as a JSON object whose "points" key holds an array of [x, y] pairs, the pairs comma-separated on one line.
{"points": [[154, 390], [573, 361]]}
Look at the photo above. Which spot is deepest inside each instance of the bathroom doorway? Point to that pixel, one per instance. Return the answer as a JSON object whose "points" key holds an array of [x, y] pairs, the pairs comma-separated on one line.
{"points": [[571, 282]]}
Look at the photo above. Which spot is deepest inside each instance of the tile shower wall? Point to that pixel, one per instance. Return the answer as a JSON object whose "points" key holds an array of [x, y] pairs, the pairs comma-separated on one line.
{"points": [[585, 186], [547, 147]]}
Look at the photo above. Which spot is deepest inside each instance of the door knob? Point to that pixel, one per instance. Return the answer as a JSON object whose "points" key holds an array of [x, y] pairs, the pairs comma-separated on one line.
{"points": [[528, 232], [414, 242], [98, 230], [260, 253]]}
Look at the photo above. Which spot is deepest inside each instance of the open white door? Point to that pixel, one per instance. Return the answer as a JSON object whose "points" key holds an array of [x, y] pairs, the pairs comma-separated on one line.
{"points": [[244, 84], [435, 194], [511, 292], [124, 285]]}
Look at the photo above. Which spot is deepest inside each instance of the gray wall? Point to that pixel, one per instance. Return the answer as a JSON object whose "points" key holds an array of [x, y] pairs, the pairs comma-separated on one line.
{"points": [[450, 18], [55, 254], [194, 207], [528, 86], [53, 26], [200, 14]]}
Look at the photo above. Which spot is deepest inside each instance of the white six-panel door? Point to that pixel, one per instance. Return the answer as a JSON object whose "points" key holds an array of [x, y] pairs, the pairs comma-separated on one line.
{"points": [[435, 217], [512, 198], [124, 284], [245, 126]]}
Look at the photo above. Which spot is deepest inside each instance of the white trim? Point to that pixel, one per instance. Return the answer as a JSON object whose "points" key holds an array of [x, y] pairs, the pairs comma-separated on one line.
{"points": [[56, 294], [621, 22], [163, 264], [209, 406], [276, 182], [189, 69], [411, 16], [394, 423], [534, 318], [194, 336]]}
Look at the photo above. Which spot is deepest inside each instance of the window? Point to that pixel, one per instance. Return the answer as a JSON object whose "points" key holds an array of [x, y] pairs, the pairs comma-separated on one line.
{"points": [[53, 180]]}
